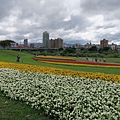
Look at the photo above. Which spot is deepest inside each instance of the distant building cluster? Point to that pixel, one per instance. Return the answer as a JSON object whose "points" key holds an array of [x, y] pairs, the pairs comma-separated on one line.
{"points": [[103, 44], [47, 43], [25, 44], [57, 43], [51, 43]]}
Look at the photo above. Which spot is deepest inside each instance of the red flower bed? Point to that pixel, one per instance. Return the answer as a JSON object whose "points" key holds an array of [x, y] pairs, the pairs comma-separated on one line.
{"points": [[88, 63]]}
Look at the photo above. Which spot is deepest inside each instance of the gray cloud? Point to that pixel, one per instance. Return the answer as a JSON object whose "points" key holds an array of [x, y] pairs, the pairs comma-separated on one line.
{"points": [[111, 37], [5, 8], [81, 20], [76, 21], [100, 7], [3, 32]]}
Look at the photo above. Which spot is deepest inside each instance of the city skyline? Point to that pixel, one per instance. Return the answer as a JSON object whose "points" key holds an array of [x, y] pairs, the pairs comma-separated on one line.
{"points": [[78, 21]]}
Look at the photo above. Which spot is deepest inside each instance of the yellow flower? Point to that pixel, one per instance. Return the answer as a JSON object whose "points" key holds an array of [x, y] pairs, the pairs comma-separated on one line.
{"points": [[58, 71]]}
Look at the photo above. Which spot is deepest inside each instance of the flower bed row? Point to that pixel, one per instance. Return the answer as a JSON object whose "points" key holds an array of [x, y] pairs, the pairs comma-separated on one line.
{"points": [[54, 57], [77, 63], [63, 97], [58, 71]]}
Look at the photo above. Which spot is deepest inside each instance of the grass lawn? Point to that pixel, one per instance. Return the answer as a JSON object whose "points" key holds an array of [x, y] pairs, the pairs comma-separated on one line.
{"points": [[16, 110], [113, 60], [10, 56]]}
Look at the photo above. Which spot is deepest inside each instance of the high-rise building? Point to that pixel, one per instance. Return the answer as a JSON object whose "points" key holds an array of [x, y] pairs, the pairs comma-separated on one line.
{"points": [[52, 43], [58, 43], [25, 42], [45, 39], [103, 43]]}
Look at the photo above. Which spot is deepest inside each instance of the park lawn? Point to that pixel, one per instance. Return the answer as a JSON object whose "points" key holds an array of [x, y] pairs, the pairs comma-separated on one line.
{"points": [[16, 110], [11, 56], [113, 60], [26, 58]]}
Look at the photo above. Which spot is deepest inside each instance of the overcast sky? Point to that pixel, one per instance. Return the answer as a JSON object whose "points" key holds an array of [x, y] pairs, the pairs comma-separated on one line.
{"points": [[75, 21]]}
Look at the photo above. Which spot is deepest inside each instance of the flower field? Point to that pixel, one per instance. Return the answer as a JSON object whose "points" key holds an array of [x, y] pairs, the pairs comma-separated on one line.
{"points": [[58, 71], [63, 94], [80, 63], [61, 97], [71, 61], [60, 58]]}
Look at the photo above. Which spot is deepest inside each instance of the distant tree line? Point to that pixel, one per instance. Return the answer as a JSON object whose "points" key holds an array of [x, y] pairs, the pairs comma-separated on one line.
{"points": [[83, 52]]}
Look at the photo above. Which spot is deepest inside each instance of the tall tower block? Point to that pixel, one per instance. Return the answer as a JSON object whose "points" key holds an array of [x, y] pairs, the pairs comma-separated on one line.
{"points": [[45, 39]]}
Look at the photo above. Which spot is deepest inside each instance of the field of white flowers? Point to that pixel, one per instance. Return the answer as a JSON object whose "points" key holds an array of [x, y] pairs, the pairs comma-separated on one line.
{"points": [[64, 98]]}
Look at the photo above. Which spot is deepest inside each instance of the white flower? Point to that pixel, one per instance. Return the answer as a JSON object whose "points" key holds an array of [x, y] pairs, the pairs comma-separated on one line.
{"points": [[68, 97]]}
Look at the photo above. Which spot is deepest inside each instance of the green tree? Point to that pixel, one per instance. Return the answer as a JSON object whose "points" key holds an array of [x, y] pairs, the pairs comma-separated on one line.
{"points": [[70, 50], [60, 49], [106, 48], [6, 43], [93, 48]]}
